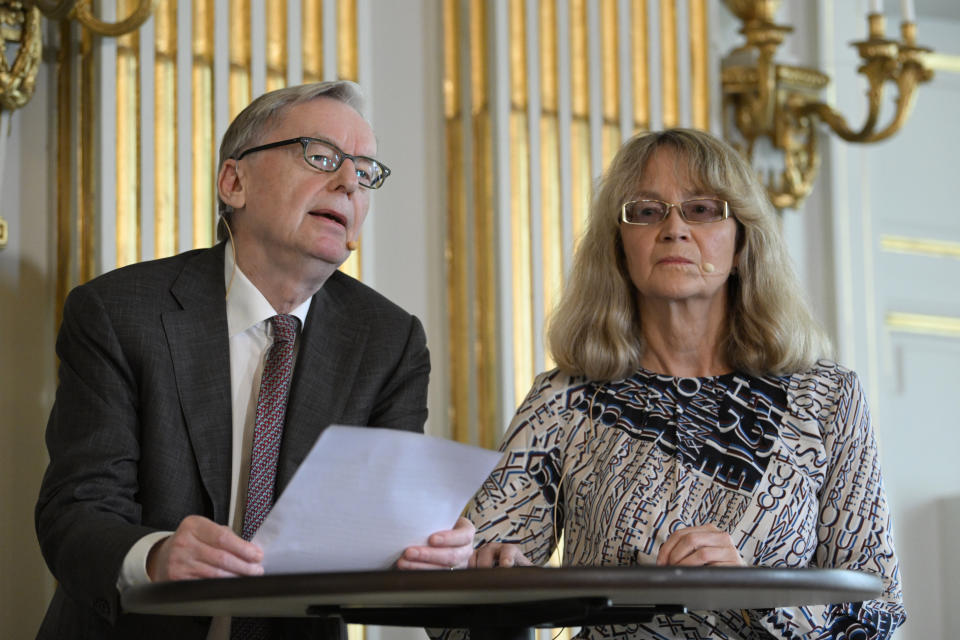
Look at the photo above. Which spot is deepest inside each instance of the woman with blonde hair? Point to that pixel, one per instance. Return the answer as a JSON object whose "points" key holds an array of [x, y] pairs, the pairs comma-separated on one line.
{"points": [[693, 418]]}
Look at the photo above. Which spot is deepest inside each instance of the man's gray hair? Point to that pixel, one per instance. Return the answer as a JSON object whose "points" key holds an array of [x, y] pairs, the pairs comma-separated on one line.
{"points": [[259, 116]]}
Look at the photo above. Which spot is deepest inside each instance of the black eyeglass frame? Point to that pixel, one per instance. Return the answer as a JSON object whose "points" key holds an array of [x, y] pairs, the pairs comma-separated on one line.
{"points": [[679, 206], [304, 141]]}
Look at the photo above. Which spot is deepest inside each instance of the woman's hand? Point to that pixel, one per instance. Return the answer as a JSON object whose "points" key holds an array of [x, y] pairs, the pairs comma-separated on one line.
{"points": [[700, 546], [445, 549], [498, 554]]}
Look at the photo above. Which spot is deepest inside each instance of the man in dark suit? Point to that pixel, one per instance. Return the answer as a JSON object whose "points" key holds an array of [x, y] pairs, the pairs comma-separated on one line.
{"points": [[151, 434]]}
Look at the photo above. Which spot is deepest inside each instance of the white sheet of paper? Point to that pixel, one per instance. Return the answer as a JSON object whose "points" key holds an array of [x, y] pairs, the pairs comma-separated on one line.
{"points": [[363, 495]]}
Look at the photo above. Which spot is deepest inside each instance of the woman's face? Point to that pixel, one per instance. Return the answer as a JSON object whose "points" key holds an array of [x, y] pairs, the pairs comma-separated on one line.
{"points": [[674, 260]]}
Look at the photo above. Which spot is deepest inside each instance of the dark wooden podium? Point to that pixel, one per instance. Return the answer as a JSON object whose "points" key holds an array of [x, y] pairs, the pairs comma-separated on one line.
{"points": [[504, 603]]}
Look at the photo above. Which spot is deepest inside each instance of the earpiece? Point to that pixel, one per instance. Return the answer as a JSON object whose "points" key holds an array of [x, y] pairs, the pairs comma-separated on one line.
{"points": [[351, 245], [708, 267]]}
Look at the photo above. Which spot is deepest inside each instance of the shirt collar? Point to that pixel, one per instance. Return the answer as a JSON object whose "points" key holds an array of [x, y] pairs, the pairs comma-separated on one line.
{"points": [[246, 306]]}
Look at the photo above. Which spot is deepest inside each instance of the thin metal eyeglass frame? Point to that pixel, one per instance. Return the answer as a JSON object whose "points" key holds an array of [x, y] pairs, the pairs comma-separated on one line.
{"points": [[670, 205], [305, 140]]}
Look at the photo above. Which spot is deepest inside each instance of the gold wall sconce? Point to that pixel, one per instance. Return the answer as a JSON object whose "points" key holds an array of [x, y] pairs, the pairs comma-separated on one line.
{"points": [[20, 31], [781, 103], [20, 27]]}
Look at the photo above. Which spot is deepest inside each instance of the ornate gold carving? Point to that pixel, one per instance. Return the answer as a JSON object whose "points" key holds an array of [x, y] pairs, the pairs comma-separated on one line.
{"points": [[18, 25], [763, 99], [83, 14], [3, 233]]}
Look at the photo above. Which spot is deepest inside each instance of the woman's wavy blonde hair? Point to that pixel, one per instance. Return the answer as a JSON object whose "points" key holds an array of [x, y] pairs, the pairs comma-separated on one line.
{"points": [[596, 328]]}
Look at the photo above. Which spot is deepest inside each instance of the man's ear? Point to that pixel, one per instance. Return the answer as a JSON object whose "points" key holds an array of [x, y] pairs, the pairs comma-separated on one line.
{"points": [[229, 185]]}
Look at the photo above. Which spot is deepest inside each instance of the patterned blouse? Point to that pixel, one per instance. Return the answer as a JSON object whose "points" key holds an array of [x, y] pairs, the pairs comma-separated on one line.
{"points": [[787, 465]]}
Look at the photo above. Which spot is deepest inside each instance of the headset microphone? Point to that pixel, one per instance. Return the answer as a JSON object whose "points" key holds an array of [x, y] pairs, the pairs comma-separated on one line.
{"points": [[708, 267], [351, 245]]}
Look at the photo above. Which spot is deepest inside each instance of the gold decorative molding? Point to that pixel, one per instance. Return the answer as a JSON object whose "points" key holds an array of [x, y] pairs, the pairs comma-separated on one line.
{"points": [[640, 63], [521, 260], [63, 142], [764, 99], [699, 64], [347, 69], [127, 149], [456, 259], [85, 166], [551, 214], [943, 62], [312, 36], [276, 45], [486, 339], [580, 164], [166, 221], [920, 246], [610, 80], [669, 71], [240, 91], [203, 144], [929, 325]]}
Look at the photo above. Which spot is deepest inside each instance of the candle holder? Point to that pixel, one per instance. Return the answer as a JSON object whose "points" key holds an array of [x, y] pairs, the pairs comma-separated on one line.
{"points": [[765, 100]]}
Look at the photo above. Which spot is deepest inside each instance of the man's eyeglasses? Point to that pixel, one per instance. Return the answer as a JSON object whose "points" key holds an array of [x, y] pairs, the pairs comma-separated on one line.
{"points": [[699, 211], [327, 157]]}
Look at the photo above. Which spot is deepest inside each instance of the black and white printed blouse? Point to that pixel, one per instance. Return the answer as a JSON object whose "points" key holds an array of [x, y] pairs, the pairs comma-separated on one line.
{"points": [[787, 465]]}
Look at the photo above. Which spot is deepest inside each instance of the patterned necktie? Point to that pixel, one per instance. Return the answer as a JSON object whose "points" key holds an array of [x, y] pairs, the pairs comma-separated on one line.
{"points": [[268, 429], [267, 432]]}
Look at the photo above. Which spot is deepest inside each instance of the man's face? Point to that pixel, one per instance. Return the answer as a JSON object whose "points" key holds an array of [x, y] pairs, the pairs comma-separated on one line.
{"points": [[289, 215]]}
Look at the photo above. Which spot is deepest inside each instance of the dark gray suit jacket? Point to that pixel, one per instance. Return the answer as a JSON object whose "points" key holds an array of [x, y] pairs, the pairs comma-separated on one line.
{"points": [[140, 433]]}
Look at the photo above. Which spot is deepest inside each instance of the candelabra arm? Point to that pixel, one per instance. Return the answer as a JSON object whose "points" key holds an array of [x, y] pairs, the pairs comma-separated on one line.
{"points": [[908, 79]]}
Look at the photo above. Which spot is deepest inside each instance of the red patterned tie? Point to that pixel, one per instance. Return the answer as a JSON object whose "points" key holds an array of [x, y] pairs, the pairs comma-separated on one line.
{"points": [[267, 432], [268, 429]]}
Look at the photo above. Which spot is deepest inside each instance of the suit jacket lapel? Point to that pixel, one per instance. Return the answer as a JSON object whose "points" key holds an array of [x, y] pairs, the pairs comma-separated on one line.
{"points": [[200, 349], [323, 376]]}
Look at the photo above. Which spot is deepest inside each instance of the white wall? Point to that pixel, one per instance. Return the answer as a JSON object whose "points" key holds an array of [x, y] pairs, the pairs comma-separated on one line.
{"points": [[897, 187]]}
